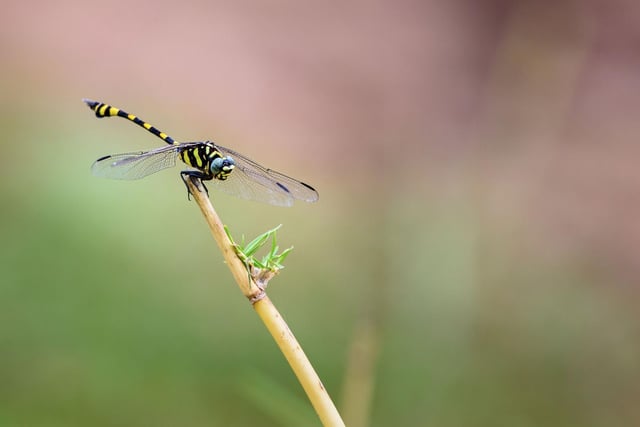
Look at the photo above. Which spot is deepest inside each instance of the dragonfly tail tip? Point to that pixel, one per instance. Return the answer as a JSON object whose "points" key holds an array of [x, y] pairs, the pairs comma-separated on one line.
{"points": [[92, 104]]}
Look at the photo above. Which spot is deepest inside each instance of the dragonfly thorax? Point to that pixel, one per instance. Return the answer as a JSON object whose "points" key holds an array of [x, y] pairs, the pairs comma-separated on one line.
{"points": [[205, 157]]}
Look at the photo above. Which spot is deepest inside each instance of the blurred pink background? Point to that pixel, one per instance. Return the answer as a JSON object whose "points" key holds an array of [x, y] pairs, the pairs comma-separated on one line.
{"points": [[533, 104]]}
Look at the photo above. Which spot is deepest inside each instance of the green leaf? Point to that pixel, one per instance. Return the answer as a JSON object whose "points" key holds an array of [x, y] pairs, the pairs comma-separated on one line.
{"points": [[271, 261]]}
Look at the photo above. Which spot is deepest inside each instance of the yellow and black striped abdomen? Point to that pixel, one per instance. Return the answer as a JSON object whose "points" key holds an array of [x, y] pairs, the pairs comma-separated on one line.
{"points": [[105, 110]]}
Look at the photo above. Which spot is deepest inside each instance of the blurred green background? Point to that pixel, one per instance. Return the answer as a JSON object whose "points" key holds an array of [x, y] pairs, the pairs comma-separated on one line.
{"points": [[474, 258]]}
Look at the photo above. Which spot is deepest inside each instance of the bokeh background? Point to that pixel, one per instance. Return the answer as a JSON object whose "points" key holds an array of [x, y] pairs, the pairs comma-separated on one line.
{"points": [[474, 259]]}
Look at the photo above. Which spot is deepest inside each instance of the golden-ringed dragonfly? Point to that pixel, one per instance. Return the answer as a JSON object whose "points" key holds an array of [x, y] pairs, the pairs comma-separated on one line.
{"points": [[228, 170]]}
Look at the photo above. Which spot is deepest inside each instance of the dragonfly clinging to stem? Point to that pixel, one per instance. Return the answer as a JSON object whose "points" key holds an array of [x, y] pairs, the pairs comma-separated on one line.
{"points": [[228, 170]]}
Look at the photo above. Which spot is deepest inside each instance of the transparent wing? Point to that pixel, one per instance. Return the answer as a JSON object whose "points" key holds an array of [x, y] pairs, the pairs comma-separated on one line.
{"points": [[251, 181], [135, 165]]}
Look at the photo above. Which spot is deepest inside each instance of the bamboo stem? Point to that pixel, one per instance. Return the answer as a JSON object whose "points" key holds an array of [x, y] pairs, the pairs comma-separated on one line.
{"points": [[269, 315]]}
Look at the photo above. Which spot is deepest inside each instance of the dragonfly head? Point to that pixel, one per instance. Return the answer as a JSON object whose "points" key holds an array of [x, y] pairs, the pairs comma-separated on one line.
{"points": [[221, 167]]}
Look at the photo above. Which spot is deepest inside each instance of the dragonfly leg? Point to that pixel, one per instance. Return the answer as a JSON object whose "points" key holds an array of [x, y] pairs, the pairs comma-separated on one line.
{"points": [[194, 174]]}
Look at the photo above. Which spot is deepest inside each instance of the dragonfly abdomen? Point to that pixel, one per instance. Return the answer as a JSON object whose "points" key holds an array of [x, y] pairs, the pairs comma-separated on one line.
{"points": [[105, 110]]}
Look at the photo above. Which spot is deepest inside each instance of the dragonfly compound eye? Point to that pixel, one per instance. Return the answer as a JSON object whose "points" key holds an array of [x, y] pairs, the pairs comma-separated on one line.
{"points": [[221, 167]]}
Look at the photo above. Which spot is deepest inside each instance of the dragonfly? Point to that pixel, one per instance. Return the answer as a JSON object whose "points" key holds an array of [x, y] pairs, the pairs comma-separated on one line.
{"points": [[228, 170]]}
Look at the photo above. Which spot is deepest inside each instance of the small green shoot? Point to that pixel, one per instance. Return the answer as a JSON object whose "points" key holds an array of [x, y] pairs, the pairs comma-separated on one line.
{"points": [[272, 261]]}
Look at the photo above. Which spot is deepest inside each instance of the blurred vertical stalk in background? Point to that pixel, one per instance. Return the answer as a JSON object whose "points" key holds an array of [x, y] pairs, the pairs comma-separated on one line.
{"points": [[362, 357], [371, 239]]}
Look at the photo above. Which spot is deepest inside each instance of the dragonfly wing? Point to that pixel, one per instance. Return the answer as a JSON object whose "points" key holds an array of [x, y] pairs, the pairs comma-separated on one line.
{"points": [[249, 180], [137, 165], [238, 184]]}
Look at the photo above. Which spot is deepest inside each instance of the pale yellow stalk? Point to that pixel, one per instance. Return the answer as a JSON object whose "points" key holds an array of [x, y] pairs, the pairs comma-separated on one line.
{"points": [[270, 316]]}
